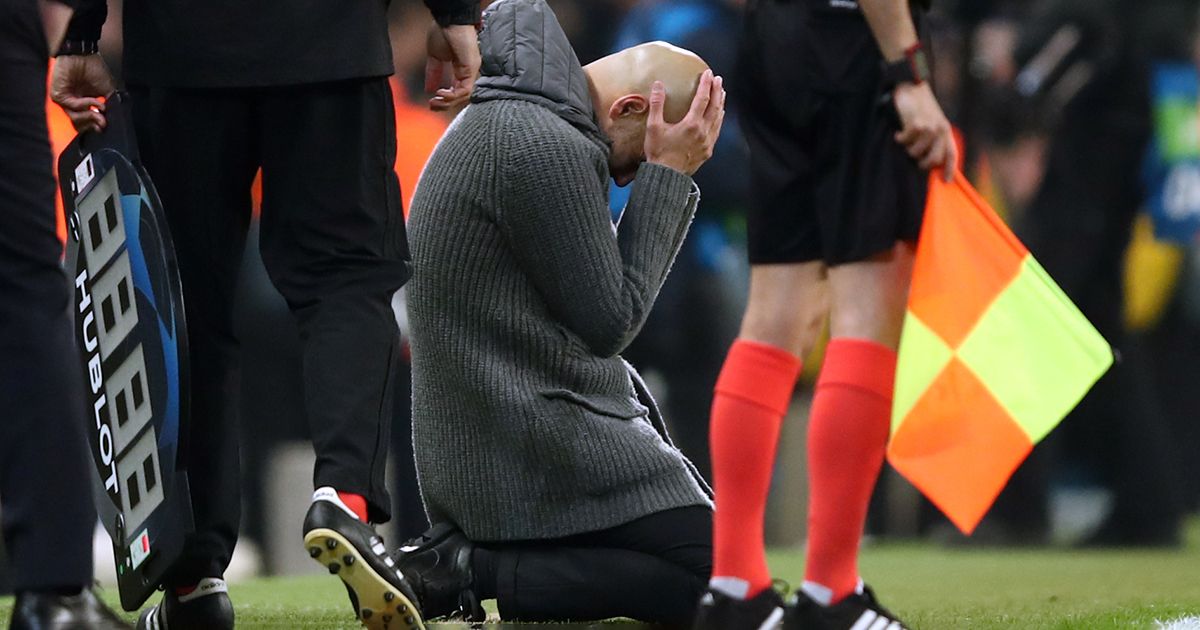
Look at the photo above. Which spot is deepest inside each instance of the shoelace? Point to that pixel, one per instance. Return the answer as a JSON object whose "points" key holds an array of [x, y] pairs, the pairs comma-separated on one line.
{"points": [[410, 545], [782, 587], [418, 541]]}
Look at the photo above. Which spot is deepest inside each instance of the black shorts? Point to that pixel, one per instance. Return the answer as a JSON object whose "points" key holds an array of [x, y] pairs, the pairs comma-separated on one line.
{"points": [[828, 180]]}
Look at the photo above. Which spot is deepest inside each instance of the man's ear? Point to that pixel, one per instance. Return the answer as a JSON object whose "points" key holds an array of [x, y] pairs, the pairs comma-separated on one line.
{"points": [[629, 105]]}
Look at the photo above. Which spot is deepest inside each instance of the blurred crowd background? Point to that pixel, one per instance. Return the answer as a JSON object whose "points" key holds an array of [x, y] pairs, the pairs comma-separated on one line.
{"points": [[1081, 127]]}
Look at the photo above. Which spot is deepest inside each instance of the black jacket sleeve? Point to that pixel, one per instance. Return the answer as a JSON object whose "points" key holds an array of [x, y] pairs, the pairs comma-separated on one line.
{"points": [[448, 12], [88, 19]]}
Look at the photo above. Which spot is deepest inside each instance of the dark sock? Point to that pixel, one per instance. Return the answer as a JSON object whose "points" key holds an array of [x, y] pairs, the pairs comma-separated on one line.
{"points": [[484, 565], [66, 591]]}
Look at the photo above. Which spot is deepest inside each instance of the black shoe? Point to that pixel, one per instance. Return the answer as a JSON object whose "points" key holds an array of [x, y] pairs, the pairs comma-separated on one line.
{"points": [[205, 608], [857, 610], [718, 611], [438, 564], [50, 611], [351, 550]]}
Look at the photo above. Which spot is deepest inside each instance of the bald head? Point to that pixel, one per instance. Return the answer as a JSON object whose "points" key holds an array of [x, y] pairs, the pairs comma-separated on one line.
{"points": [[620, 88], [634, 70]]}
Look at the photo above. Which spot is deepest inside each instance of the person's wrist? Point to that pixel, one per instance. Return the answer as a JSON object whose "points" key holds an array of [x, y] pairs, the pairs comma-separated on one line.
{"points": [[452, 28], [465, 17], [901, 53], [670, 161], [911, 66], [908, 87]]}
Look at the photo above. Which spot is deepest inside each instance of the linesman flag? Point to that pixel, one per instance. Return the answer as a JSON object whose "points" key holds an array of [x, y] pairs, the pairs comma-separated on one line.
{"points": [[993, 355]]}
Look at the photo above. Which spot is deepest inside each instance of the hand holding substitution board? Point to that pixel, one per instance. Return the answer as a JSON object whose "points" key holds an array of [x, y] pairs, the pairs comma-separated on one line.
{"points": [[129, 325]]}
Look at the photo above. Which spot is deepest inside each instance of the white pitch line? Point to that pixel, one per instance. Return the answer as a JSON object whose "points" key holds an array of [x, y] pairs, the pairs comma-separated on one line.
{"points": [[1183, 623]]}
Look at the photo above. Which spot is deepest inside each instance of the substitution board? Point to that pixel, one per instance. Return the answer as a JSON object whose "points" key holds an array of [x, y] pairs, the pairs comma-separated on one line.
{"points": [[129, 325]]}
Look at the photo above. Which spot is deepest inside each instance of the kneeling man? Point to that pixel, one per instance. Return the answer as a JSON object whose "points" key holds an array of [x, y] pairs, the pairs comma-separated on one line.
{"points": [[543, 461]]}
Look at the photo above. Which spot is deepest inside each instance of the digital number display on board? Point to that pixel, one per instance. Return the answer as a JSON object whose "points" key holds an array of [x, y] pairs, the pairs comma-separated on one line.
{"points": [[127, 443]]}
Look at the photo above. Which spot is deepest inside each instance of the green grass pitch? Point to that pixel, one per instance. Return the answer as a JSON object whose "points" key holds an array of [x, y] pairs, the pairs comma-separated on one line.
{"points": [[931, 587]]}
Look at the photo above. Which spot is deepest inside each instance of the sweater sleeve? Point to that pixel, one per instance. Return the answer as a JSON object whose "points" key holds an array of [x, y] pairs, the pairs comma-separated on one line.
{"points": [[600, 285], [88, 19], [448, 12]]}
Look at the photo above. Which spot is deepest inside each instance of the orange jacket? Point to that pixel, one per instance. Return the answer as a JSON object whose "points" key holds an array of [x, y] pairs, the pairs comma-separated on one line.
{"points": [[61, 134]]}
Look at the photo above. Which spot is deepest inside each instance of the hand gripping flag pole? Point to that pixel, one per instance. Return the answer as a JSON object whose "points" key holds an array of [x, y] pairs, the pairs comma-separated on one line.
{"points": [[993, 355]]}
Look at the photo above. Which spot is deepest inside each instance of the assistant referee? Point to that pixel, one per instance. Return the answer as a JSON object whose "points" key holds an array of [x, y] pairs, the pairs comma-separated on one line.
{"points": [[841, 122]]}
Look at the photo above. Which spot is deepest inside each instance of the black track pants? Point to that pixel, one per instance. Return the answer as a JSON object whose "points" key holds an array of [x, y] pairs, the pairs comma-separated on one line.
{"points": [[333, 243], [45, 484]]}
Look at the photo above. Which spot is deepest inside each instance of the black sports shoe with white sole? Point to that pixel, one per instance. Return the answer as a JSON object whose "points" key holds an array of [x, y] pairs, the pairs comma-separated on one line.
{"points": [[40, 610], [207, 607], [351, 550], [719, 611], [438, 565], [857, 611]]}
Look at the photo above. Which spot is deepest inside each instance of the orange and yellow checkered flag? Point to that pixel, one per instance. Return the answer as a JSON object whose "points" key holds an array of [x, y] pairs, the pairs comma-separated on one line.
{"points": [[992, 357]]}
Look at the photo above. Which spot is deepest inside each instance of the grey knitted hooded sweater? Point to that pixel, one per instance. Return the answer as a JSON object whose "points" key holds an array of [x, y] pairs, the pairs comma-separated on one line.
{"points": [[526, 421]]}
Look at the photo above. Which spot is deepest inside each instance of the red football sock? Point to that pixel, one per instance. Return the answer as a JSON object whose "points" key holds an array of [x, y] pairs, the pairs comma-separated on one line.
{"points": [[847, 436], [356, 503], [752, 396]]}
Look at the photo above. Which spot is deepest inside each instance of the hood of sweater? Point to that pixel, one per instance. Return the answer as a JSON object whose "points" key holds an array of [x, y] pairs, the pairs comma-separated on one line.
{"points": [[527, 57]]}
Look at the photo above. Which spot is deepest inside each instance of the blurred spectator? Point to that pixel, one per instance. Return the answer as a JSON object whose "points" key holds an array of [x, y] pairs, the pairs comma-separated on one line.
{"points": [[1065, 118], [1079, 225], [696, 315], [1172, 337], [589, 24]]}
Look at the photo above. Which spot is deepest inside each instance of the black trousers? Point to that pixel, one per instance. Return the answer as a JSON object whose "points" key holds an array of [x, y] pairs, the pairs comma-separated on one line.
{"points": [[411, 519], [45, 484], [333, 244], [653, 569]]}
